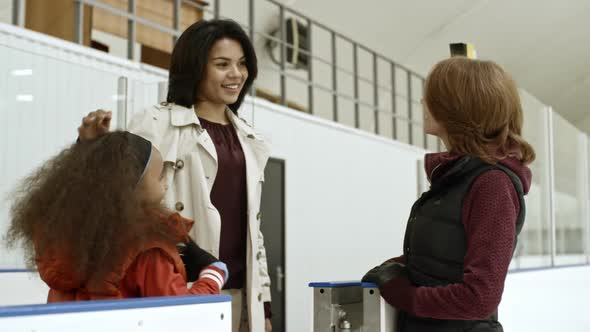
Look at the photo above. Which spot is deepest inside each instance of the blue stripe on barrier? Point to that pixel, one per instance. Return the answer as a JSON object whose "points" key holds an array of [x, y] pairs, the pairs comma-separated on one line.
{"points": [[336, 284], [108, 305]]}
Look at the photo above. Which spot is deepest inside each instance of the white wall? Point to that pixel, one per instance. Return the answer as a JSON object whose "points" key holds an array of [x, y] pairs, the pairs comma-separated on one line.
{"points": [[348, 195], [46, 86]]}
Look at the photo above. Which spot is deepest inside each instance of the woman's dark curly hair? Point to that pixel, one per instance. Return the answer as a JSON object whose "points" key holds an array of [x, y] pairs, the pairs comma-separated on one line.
{"points": [[81, 206]]}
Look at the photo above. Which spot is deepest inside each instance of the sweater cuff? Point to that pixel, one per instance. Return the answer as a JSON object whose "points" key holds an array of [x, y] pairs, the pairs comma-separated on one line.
{"points": [[400, 293], [267, 310], [214, 273], [221, 265]]}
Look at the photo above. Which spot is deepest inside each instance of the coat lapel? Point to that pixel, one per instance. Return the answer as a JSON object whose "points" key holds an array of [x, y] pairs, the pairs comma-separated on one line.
{"points": [[182, 116], [254, 146], [205, 141]]}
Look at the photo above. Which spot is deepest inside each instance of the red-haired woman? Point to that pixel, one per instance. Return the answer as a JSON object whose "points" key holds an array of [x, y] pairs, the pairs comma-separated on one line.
{"points": [[461, 234]]}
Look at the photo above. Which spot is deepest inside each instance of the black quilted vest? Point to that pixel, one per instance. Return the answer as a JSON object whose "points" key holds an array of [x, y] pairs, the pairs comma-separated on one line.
{"points": [[435, 241]]}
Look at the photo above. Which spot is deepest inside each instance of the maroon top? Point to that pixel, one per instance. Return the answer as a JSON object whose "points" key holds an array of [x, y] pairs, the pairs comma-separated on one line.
{"points": [[489, 218], [229, 196]]}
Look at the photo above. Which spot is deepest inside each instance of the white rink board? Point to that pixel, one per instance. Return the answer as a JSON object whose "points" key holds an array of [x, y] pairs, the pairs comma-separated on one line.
{"points": [[211, 313]]}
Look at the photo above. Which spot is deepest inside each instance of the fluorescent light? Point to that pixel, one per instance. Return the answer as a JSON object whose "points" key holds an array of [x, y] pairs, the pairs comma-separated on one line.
{"points": [[24, 98], [22, 72]]}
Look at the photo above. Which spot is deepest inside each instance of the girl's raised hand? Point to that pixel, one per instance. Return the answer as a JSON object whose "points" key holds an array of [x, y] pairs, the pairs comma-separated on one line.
{"points": [[95, 124]]}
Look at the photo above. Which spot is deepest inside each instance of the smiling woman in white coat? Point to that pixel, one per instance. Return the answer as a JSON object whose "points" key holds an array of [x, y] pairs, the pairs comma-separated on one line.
{"points": [[214, 161]]}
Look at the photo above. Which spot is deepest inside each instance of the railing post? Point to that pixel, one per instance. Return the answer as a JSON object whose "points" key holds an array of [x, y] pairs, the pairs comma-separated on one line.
{"points": [[584, 193], [176, 19], [587, 198], [216, 9], [130, 29], [283, 53], [251, 31], [78, 22], [162, 91], [357, 120], [393, 103], [17, 10], [551, 191], [251, 22], [410, 115], [309, 69], [122, 103], [375, 93], [334, 79], [423, 124]]}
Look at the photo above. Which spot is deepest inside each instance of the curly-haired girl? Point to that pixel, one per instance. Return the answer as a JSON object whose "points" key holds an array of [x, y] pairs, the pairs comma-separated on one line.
{"points": [[90, 221]]}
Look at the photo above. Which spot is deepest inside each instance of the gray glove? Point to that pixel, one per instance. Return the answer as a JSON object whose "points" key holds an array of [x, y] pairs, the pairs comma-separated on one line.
{"points": [[385, 272]]}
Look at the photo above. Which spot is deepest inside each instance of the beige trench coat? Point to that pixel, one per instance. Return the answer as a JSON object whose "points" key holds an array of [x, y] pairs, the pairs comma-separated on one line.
{"points": [[190, 168]]}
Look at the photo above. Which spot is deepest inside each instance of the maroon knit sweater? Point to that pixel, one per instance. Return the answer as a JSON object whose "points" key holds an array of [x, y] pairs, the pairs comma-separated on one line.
{"points": [[489, 213]]}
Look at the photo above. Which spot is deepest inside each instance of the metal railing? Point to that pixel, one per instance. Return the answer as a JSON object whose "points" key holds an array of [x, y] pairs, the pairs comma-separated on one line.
{"points": [[312, 25], [337, 95]]}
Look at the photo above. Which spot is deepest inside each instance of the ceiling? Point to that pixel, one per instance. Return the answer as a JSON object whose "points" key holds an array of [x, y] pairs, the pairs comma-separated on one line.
{"points": [[544, 44]]}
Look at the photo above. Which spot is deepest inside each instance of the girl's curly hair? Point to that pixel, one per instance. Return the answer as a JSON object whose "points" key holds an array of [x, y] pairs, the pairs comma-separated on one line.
{"points": [[81, 206]]}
